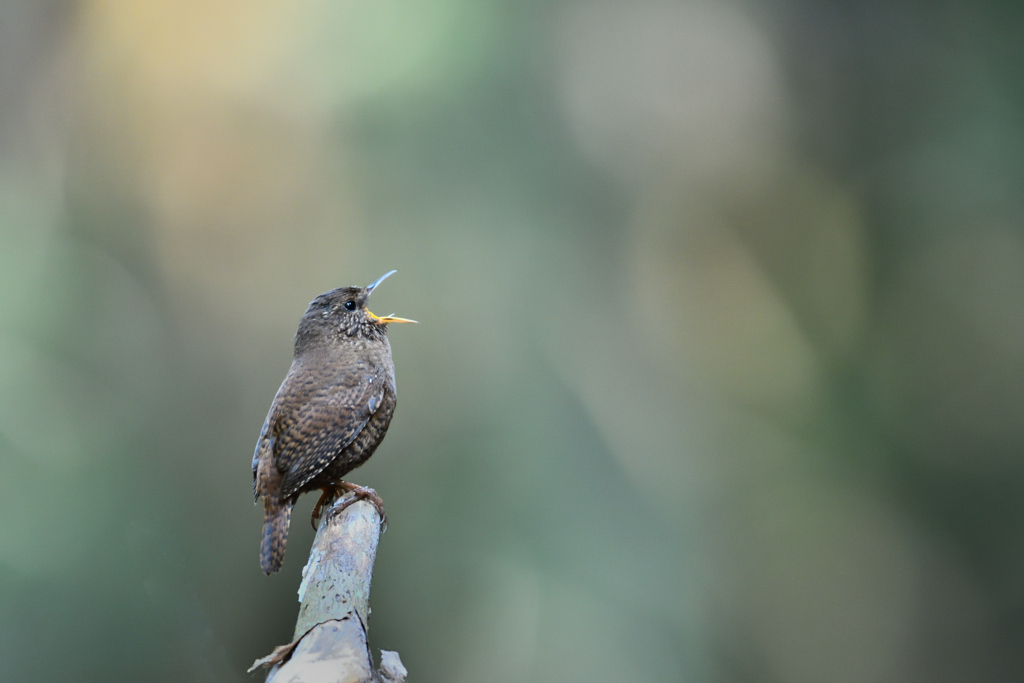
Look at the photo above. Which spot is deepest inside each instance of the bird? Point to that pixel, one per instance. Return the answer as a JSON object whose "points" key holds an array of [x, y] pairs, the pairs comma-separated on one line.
{"points": [[329, 415]]}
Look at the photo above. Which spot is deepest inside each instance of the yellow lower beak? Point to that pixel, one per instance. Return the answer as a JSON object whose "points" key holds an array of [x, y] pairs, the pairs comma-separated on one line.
{"points": [[388, 319]]}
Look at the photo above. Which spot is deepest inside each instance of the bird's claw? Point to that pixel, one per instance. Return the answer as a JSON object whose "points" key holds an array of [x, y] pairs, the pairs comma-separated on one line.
{"points": [[326, 495], [339, 505]]}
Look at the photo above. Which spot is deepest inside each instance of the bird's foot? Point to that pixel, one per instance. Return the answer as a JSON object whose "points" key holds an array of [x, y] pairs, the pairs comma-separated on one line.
{"points": [[327, 494], [361, 493]]}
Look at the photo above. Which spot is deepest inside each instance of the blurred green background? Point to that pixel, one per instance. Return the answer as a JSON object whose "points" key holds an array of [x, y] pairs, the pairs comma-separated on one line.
{"points": [[720, 375]]}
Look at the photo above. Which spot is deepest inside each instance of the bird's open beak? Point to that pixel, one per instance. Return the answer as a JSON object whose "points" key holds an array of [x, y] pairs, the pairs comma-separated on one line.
{"points": [[387, 318], [370, 288]]}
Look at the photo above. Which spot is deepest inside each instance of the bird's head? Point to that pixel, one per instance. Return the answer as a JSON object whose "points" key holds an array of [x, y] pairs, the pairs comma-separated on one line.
{"points": [[342, 312]]}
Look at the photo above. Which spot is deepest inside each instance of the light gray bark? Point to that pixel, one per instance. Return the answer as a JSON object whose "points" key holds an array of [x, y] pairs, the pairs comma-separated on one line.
{"points": [[330, 641]]}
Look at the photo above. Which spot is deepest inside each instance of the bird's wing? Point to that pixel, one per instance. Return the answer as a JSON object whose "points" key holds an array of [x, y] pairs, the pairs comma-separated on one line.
{"points": [[262, 443], [319, 424]]}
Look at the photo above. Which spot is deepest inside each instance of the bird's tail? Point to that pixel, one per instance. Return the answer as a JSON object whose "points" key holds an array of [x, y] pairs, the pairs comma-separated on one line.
{"points": [[275, 534]]}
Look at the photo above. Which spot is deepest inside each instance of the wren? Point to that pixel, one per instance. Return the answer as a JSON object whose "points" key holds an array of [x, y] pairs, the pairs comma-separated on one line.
{"points": [[329, 415]]}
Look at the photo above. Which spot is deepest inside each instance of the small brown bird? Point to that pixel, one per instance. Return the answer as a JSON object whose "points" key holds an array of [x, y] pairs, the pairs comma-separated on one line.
{"points": [[329, 415]]}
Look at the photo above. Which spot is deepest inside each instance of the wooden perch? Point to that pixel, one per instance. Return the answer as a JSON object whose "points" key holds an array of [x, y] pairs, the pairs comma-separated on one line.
{"points": [[330, 641]]}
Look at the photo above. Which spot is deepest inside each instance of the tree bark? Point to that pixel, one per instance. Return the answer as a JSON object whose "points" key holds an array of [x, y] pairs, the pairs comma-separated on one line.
{"points": [[330, 641]]}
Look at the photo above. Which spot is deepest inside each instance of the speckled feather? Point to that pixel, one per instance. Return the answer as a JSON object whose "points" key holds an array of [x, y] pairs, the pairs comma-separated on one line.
{"points": [[329, 415], [322, 406]]}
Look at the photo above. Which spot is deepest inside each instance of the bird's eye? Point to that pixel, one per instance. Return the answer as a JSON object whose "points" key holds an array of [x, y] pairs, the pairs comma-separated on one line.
{"points": [[350, 305]]}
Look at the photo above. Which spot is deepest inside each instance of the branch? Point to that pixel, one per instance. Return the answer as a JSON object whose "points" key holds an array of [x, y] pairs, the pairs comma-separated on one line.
{"points": [[330, 642]]}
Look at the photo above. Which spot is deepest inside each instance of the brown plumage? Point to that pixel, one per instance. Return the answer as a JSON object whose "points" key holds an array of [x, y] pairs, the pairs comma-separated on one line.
{"points": [[329, 415]]}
